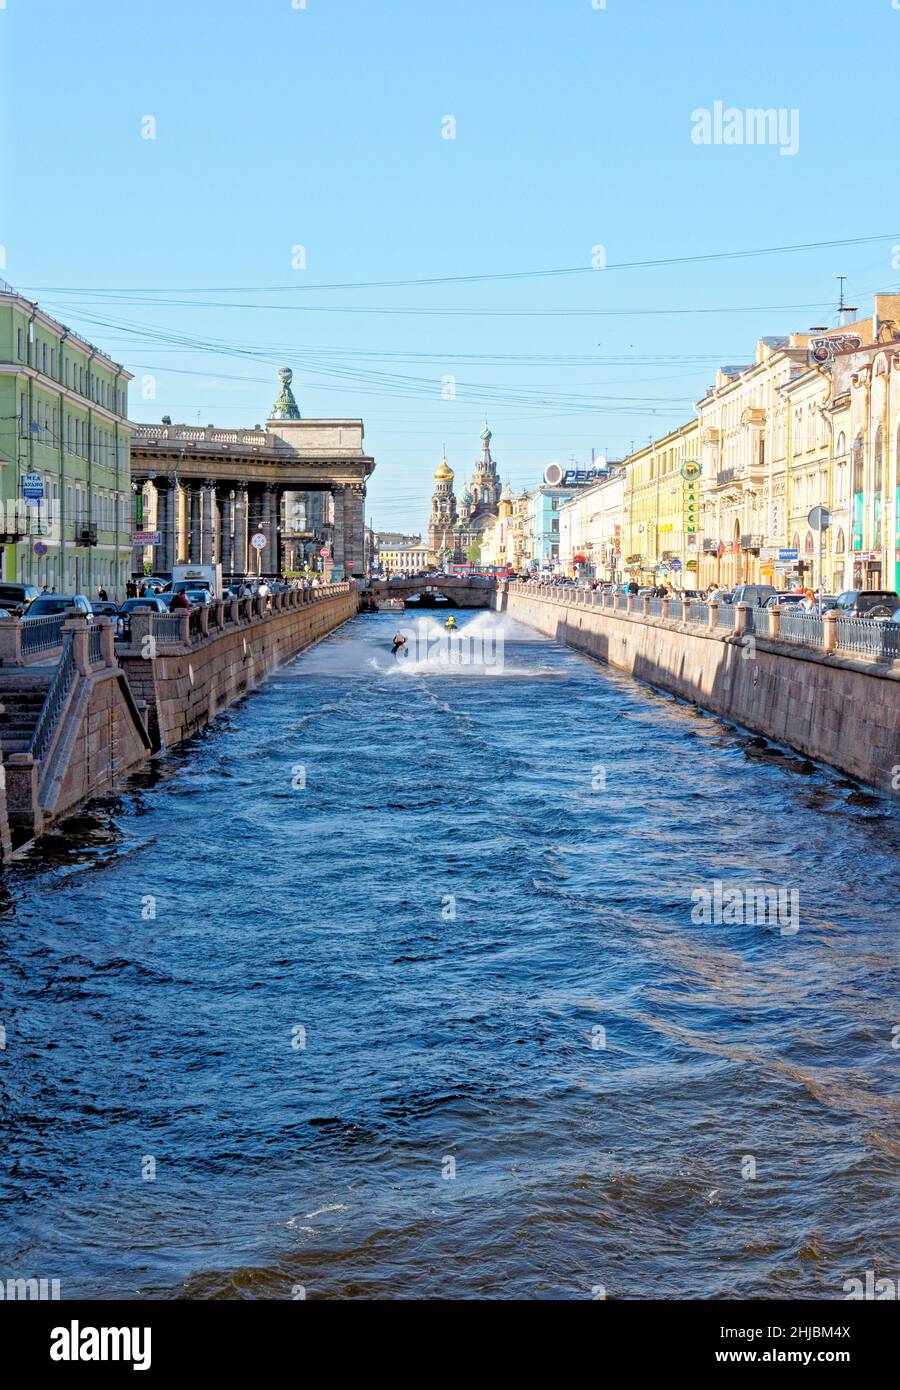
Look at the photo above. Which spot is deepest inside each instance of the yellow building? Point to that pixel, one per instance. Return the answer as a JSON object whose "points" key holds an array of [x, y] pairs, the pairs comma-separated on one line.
{"points": [[661, 508], [406, 559], [498, 540]]}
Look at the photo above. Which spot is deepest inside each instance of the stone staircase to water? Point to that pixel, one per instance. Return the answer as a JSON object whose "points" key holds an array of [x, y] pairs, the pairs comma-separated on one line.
{"points": [[22, 696]]}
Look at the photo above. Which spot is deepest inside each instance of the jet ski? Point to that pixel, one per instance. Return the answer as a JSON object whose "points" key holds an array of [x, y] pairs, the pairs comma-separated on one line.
{"points": [[450, 624]]}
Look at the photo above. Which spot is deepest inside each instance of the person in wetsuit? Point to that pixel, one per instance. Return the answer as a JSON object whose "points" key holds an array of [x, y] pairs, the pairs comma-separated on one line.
{"points": [[399, 641]]}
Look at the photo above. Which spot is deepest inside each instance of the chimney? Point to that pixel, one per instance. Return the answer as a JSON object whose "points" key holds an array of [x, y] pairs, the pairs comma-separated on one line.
{"points": [[847, 315]]}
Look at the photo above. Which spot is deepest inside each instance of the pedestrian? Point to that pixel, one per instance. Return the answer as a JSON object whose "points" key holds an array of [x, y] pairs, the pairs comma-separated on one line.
{"points": [[180, 601], [102, 595]]}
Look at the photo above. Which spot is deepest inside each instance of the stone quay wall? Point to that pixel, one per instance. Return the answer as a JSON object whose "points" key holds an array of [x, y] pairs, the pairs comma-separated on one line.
{"points": [[832, 707], [184, 683]]}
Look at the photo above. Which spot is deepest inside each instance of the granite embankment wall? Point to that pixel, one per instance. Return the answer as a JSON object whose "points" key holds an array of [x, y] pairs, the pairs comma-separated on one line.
{"points": [[185, 684], [838, 709]]}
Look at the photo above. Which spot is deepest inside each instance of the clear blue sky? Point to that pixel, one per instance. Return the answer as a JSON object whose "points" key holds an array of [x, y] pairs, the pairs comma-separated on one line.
{"points": [[322, 127]]}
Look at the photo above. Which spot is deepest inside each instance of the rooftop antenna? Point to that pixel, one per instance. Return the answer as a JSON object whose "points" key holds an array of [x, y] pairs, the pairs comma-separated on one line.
{"points": [[842, 278]]}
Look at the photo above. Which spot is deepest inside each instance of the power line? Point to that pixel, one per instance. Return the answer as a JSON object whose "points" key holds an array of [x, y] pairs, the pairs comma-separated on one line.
{"points": [[703, 258]]}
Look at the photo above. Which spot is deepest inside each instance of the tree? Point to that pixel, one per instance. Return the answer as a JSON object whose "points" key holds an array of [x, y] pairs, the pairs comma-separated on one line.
{"points": [[473, 552]]}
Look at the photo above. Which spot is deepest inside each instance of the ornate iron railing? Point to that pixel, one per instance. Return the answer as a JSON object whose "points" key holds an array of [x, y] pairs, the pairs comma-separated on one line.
{"points": [[803, 627], [870, 637], [42, 634], [54, 700]]}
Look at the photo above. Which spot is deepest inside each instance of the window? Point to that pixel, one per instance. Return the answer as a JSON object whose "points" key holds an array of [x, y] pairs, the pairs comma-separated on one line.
{"points": [[53, 362], [67, 371], [44, 358], [20, 343], [878, 461], [858, 463], [23, 418]]}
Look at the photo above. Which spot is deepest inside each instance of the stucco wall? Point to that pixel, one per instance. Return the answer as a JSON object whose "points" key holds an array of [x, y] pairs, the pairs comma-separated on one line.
{"points": [[842, 711], [185, 689]]}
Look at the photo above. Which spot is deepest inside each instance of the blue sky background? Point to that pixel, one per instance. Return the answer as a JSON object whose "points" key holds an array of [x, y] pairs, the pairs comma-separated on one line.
{"points": [[322, 127]]}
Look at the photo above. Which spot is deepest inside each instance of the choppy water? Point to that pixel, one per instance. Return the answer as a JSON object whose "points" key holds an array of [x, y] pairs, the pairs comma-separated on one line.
{"points": [[482, 873]]}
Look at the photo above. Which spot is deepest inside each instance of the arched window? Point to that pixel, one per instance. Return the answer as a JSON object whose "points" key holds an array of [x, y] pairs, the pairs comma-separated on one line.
{"points": [[842, 444], [839, 544], [858, 463]]}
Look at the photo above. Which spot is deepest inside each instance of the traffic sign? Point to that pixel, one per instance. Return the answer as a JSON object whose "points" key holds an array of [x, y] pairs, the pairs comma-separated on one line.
{"points": [[819, 518], [258, 541], [40, 549], [324, 552]]}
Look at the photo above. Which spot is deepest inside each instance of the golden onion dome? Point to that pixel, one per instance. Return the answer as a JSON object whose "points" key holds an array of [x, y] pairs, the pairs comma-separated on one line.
{"points": [[443, 473]]}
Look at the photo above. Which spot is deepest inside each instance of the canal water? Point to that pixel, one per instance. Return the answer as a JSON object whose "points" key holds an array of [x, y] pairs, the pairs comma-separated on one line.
{"points": [[397, 983]]}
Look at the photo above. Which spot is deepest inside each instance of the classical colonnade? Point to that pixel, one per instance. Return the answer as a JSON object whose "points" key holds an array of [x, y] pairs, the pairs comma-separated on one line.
{"points": [[206, 521]]}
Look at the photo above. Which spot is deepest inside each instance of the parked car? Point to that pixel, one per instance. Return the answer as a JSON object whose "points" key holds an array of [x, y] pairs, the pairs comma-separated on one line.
{"points": [[784, 600], [17, 596], [757, 595], [866, 603], [104, 608], [198, 597], [51, 605]]}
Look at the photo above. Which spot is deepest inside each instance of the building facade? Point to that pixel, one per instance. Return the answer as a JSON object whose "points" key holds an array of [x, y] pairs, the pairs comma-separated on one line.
{"points": [[591, 531], [206, 495], [661, 523], [65, 456], [408, 557]]}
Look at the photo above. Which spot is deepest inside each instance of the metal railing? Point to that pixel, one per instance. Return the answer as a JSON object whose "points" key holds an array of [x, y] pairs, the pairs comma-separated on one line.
{"points": [[166, 627], [54, 700], [870, 637], [803, 627], [42, 634], [95, 643]]}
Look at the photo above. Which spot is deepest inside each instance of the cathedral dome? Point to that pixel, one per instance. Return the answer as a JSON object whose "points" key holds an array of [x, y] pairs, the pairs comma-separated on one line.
{"points": [[443, 473]]}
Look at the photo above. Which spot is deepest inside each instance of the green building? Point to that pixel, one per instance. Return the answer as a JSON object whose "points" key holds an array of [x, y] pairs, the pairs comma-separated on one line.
{"points": [[65, 456]]}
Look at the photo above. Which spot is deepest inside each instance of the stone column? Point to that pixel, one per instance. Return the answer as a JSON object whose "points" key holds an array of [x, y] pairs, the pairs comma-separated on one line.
{"points": [[271, 519], [337, 531], [226, 545], [165, 522], [208, 524], [239, 552], [194, 524], [355, 529]]}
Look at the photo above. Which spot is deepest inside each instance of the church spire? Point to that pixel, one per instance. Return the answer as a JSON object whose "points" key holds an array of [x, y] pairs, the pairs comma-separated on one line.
{"points": [[285, 407]]}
